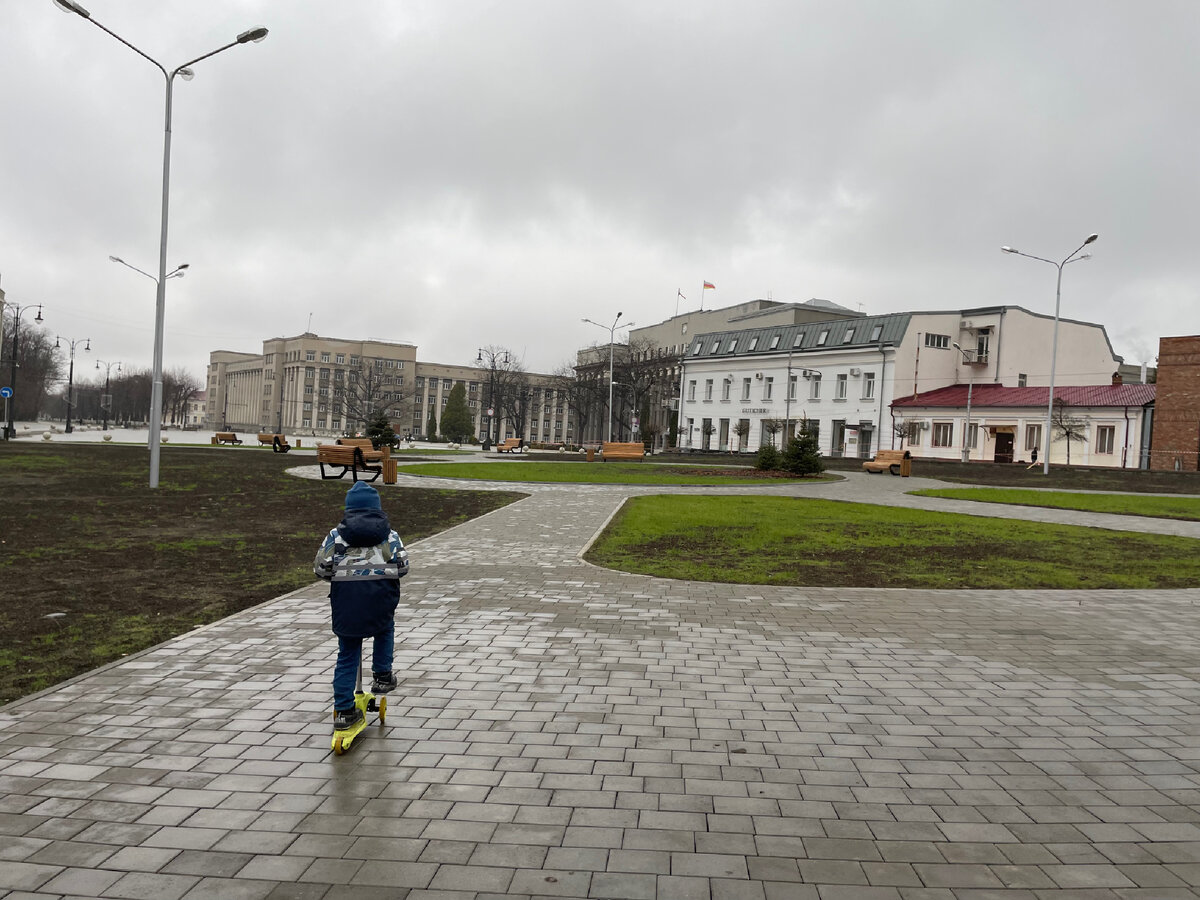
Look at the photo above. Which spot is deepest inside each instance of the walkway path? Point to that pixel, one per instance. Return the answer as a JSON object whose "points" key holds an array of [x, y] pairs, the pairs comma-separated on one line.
{"points": [[566, 731]]}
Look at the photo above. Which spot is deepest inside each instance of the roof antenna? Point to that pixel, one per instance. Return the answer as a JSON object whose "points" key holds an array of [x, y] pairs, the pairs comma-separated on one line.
{"points": [[309, 327]]}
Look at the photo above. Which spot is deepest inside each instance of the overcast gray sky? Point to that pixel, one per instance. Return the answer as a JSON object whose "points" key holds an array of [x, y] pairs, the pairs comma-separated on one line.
{"points": [[462, 173]]}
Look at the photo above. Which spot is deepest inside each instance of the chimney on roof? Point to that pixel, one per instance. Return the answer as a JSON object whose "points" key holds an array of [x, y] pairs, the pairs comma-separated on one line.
{"points": [[1117, 379]]}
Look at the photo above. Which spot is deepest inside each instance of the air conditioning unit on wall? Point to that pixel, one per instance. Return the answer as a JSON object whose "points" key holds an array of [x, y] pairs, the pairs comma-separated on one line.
{"points": [[856, 372], [758, 375], [806, 373], [966, 323]]}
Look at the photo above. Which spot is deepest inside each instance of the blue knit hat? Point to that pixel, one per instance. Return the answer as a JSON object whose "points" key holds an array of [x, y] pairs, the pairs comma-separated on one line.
{"points": [[362, 496]]}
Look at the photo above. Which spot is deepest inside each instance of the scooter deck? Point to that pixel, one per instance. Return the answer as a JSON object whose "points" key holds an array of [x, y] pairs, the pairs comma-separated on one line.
{"points": [[367, 703]]}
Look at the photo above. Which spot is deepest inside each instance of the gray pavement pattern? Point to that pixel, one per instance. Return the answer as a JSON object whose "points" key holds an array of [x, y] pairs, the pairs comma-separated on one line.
{"points": [[566, 731]]}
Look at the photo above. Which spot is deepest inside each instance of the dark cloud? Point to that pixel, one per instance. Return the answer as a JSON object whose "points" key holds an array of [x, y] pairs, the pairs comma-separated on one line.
{"points": [[477, 173]]}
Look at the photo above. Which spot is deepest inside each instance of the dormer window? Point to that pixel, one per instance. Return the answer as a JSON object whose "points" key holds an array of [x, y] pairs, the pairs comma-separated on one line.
{"points": [[753, 343], [876, 332], [733, 346], [822, 337], [774, 342], [798, 341], [849, 336]]}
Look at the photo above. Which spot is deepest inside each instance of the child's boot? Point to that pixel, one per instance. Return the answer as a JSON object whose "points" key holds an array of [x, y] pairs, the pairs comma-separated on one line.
{"points": [[383, 682], [345, 719]]}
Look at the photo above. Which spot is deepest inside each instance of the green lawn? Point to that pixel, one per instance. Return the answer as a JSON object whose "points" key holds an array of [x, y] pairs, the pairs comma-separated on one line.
{"points": [[598, 473], [789, 541], [1119, 504]]}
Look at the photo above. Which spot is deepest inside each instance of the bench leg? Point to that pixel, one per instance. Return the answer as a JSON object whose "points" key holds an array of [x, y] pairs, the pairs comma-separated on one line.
{"points": [[894, 468]]}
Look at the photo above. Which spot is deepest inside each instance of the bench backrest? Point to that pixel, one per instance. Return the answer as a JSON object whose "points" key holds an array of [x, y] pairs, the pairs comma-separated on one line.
{"points": [[889, 454]]}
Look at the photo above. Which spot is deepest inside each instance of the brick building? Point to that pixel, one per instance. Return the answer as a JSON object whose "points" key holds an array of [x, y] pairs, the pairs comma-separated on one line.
{"points": [[1176, 444]]}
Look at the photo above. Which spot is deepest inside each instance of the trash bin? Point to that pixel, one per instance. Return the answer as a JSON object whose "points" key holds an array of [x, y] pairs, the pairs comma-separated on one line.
{"points": [[906, 465], [591, 454]]}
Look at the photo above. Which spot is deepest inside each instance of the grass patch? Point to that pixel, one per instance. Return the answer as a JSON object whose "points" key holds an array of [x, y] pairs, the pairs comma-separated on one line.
{"points": [[1118, 504], [602, 473], [789, 541], [82, 534]]}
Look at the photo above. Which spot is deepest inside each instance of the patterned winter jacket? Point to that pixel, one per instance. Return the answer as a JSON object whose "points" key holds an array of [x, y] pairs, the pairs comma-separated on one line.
{"points": [[363, 560]]}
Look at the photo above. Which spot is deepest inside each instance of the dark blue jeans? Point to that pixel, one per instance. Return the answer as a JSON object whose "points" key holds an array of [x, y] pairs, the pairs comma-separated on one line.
{"points": [[345, 672]]}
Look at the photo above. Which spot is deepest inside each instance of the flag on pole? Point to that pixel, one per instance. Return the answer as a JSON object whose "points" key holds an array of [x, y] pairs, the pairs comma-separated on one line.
{"points": [[709, 286]]}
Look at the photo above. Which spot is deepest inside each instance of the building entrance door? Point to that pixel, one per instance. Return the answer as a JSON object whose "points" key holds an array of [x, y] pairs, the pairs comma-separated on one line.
{"points": [[1004, 447]]}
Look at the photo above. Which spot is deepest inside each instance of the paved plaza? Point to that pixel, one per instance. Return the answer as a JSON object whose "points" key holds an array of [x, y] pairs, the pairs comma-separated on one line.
{"points": [[566, 731]]}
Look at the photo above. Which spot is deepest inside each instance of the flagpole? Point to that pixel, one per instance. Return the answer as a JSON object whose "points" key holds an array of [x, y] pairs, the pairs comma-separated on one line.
{"points": [[702, 296], [678, 294]]}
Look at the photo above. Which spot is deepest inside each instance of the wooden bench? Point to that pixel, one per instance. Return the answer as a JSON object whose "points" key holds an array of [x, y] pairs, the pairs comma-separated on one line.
{"points": [[350, 459], [226, 437], [622, 450], [510, 445], [279, 443], [898, 462], [368, 449]]}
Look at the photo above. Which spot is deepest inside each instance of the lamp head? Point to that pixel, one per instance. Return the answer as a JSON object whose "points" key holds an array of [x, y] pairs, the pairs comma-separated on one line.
{"points": [[186, 74], [1091, 237], [257, 35], [38, 317], [70, 6], [116, 259], [954, 344], [88, 345], [1008, 249]]}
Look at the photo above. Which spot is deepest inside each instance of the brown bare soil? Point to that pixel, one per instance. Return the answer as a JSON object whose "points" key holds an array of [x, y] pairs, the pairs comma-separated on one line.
{"points": [[95, 565]]}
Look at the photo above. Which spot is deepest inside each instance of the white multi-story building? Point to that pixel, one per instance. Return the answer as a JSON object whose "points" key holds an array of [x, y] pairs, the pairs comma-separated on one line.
{"points": [[743, 388], [300, 384]]}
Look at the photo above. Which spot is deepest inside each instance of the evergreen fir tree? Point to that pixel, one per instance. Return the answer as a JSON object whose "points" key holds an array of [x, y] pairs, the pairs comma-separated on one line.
{"points": [[802, 456], [457, 424], [431, 427], [379, 430]]}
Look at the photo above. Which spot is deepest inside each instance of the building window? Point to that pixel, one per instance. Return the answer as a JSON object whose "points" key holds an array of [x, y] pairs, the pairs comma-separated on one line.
{"points": [[753, 343], [774, 342], [914, 434], [849, 336], [696, 352], [814, 387], [310, 355], [768, 387], [307, 390], [868, 392], [726, 384], [1104, 438], [822, 337], [745, 389], [939, 341], [306, 423], [943, 434], [843, 382], [691, 391], [308, 407], [310, 371], [733, 346], [1033, 437], [972, 435], [876, 332], [353, 360], [325, 356], [798, 341], [341, 359], [708, 386], [1022, 379], [791, 394]]}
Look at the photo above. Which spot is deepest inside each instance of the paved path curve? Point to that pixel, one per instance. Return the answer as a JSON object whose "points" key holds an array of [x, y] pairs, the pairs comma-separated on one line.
{"points": [[566, 731]]}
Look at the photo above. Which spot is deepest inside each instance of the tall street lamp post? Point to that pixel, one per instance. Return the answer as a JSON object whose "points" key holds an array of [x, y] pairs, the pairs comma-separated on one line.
{"points": [[966, 450], [10, 430], [493, 357], [87, 342], [106, 399], [611, 332], [160, 306], [1054, 348]]}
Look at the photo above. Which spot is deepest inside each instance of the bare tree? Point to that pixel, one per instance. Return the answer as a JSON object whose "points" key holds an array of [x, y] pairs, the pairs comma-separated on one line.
{"points": [[583, 396], [368, 390], [772, 427], [742, 430], [899, 430], [38, 367], [504, 382], [1067, 426], [179, 386]]}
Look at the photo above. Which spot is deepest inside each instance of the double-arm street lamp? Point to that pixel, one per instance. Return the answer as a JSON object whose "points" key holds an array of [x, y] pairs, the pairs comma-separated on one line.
{"points": [[106, 397], [10, 430], [156, 392], [493, 358], [611, 332], [1073, 257], [87, 342]]}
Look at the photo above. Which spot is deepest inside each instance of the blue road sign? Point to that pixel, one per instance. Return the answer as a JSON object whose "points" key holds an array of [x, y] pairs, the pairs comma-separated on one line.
{"points": [[5, 392]]}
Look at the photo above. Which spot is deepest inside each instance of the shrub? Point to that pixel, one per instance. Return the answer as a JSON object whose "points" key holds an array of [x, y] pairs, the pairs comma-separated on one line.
{"points": [[802, 456], [768, 458]]}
